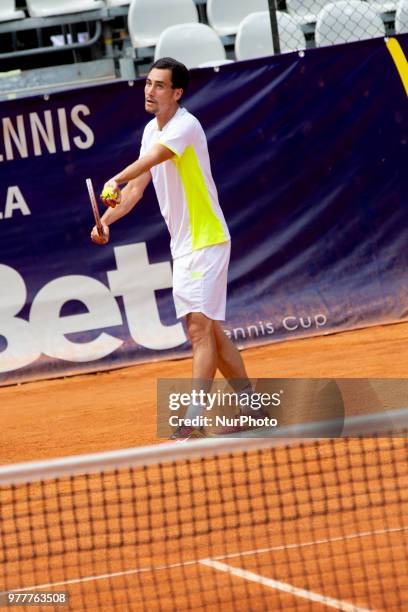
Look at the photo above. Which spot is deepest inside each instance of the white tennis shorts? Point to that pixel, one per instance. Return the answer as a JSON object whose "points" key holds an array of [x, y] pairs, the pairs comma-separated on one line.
{"points": [[200, 281]]}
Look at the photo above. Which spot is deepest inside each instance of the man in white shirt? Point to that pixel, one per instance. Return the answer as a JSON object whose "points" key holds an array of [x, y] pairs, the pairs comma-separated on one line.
{"points": [[174, 154]]}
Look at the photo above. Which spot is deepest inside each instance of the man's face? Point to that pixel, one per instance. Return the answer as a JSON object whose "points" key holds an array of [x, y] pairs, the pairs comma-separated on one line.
{"points": [[160, 97]]}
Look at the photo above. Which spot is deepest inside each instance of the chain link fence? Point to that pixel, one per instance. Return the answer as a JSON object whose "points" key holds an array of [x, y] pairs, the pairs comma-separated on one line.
{"points": [[300, 24]]}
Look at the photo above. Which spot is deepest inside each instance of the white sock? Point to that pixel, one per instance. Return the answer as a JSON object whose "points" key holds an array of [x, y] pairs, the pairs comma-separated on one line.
{"points": [[194, 410], [245, 408]]}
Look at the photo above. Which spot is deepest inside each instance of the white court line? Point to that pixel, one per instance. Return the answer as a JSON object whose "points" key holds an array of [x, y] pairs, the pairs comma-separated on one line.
{"points": [[283, 586], [138, 570], [351, 536], [244, 553]]}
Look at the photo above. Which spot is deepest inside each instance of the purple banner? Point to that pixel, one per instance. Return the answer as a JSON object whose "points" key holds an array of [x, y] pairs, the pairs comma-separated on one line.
{"points": [[309, 156]]}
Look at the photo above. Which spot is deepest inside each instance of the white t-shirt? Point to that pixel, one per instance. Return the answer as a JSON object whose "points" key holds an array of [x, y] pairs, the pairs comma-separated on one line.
{"points": [[184, 184]]}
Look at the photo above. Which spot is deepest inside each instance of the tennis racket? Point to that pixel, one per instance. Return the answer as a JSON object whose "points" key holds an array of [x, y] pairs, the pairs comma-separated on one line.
{"points": [[94, 206]]}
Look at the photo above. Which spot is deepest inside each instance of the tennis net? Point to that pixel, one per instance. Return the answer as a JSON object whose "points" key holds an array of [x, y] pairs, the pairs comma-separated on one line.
{"points": [[253, 524]]}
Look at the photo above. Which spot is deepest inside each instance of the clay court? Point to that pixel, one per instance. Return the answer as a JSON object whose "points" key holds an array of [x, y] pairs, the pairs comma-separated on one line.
{"points": [[117, 409], [332, 542]]}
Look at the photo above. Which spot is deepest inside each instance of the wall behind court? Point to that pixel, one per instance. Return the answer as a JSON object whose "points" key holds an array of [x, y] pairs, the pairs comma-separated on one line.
{"points": [[309, 155]]}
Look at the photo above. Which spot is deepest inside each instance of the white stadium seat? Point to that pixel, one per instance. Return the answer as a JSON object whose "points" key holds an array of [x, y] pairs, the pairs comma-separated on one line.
{"points": [[8, 11], [48, 8], [383, 7], [401, 17], [347, 21], [113, 3], [224, 16], [148, 18], [190, 43], [254, 37], [305, 11]]}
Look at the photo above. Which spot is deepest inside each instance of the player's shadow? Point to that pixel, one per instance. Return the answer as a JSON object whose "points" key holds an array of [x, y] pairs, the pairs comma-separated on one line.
{"points": [[308, 407]]}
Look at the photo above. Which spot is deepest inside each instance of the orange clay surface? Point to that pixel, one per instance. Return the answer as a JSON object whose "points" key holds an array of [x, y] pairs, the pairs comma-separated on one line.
{"points": [[117, 409], [323, 533]]}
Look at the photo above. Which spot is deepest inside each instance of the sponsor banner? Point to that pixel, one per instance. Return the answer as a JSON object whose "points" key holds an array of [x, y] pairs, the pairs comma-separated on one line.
{"points": [[309, 157]]}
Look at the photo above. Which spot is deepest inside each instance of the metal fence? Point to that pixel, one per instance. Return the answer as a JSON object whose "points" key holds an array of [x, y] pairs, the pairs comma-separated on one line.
{"points": [[297, 24]]}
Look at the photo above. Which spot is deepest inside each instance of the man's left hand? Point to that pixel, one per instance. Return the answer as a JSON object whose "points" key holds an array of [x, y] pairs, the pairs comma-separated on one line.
{"points": [[111, 194]]}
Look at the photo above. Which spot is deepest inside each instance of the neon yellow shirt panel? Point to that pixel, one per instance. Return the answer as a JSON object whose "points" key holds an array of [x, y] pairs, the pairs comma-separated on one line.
{"points": [[205, 226]]}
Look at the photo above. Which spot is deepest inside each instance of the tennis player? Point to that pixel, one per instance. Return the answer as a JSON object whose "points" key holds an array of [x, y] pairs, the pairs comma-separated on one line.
{"points": [[174, 154]]}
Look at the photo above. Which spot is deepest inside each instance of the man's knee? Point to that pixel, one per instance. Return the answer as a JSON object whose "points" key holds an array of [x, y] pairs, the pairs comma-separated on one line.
{"points": [[199, 327]]}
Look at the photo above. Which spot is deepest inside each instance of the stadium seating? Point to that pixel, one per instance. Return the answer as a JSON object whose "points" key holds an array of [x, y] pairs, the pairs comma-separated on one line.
{"points": [[48, 8], [254, 38], [148, 18], [347, 21], [383, 7], [224, 16], [401, 17], [8, 11], [113, 3], [337, 21], [305, 11], [190, 43]]}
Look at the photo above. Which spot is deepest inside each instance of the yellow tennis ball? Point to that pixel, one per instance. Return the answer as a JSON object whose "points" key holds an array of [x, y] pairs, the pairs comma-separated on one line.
{"points": [[108, 194]]}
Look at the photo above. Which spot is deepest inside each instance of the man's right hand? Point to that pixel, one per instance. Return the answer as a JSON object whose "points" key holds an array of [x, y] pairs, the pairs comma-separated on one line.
{"points": [[97, 238]]}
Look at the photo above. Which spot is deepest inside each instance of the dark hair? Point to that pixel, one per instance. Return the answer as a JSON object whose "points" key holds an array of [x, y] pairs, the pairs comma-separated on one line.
{"points": [[180, 75]]}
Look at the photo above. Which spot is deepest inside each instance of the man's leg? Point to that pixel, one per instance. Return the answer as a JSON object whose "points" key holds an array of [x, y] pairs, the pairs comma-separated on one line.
{"points": [[201, 334], [212, 349], [232, 367], [200, 331], [230, 362]]}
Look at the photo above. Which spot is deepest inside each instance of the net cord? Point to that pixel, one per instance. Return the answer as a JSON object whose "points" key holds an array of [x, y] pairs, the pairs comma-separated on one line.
{"points": [[384, 424]]}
